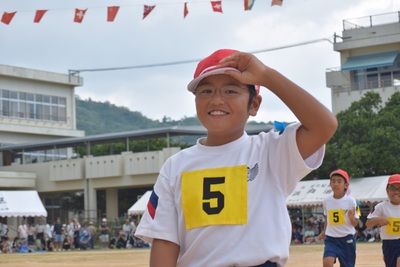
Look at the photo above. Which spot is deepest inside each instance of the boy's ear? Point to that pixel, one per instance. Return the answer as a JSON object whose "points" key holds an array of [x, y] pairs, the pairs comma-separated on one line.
{"points": [[255, 105]]}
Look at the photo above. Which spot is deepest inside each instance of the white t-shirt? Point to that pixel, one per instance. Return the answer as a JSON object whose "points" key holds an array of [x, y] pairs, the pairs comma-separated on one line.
{"points": [[335, 210], [391, 212], [192, 200]]}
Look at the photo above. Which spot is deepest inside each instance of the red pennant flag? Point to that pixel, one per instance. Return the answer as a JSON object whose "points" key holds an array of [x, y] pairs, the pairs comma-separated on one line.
{"points": [[185, 10], [112, 12], [7, 17], [147, 10], [248, 4], [79, 14], [216, 6], [276, 2], [38, 16]]}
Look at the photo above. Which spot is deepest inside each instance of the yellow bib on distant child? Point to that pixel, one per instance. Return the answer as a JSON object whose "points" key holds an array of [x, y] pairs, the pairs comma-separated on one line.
{"points": [[215, 196], [394, 227]]}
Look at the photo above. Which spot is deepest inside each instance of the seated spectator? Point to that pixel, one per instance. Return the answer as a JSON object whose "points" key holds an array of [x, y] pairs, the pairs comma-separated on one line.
{"points": [[309, 235], [5, 245], [297, 237], [121, 240], [67, 243], [85, 236], [15, 247], [40, 244]]}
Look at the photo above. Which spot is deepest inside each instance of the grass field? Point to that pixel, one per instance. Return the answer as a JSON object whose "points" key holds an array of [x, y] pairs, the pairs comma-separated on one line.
{"points": [[368, 254]]}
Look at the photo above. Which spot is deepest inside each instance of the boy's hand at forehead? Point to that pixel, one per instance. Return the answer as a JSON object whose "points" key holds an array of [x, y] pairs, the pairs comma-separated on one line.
{"points": [[250, 67]]}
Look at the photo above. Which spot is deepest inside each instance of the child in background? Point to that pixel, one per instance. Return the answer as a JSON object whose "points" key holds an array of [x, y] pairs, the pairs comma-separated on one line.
{"points": [[387, 215], [222, 202], [340, 221]]}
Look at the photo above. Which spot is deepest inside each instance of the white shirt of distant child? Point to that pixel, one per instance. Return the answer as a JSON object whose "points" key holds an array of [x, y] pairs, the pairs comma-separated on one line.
{"points": [[345, 203], [386, 209], [272, 175]]}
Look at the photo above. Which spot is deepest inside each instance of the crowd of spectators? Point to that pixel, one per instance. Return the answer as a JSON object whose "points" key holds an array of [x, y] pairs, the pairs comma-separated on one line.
{"points": [[69, 236], [309, 233]]}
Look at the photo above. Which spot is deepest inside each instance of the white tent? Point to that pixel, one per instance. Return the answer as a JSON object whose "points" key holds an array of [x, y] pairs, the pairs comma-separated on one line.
{"points": [[21, 203], [313, 192], [140, 206]]}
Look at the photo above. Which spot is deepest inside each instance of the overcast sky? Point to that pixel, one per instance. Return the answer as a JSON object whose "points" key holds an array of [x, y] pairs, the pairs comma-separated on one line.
{"points": [[58, 44]]}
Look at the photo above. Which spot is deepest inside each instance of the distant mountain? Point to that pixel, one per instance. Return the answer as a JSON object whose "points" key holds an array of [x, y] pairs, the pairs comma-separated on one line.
{"points": [[104, 117]]}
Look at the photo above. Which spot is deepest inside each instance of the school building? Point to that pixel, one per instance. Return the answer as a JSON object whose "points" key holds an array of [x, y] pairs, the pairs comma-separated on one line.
{"points": [[369, 50]]}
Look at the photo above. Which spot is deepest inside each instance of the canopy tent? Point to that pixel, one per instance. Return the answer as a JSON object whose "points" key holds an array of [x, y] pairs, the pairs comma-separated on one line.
{"points": [[140, 206], [313, 192], [21, 203]]}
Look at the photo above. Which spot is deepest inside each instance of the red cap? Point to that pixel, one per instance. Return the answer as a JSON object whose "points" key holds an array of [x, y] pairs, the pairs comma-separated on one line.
{"points": [[394, 179], [341, 173], [208, 67]]}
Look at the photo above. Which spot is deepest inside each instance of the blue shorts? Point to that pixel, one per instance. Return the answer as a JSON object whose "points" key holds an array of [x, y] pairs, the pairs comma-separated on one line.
{"points": [[391, 251], [58, 238], [343, 248], [267, 264]]}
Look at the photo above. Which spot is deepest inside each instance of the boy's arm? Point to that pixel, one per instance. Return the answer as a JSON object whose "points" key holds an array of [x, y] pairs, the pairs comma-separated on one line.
{"points": [[318, 124], [350, 215], [376, 221], [163, 253]]}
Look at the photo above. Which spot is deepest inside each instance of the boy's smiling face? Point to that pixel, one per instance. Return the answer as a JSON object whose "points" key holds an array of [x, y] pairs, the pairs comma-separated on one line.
{"points": [[393, 192], [224, 117]]}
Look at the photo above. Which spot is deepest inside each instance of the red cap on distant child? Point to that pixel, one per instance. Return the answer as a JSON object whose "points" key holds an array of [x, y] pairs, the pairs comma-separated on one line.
{"points": [[208, 67], [394, 179], [341, 173]]}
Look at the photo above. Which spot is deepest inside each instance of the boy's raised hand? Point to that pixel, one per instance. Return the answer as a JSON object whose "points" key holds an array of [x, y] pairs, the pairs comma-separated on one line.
{"points": [[250, 67]]}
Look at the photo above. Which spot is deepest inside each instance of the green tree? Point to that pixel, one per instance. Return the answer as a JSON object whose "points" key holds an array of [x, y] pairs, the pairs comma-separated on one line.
{"points": [[367, 140]]}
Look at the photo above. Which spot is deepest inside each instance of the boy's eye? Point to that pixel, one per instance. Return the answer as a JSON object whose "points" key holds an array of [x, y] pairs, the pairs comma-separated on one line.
{"points": [[229, 91]]}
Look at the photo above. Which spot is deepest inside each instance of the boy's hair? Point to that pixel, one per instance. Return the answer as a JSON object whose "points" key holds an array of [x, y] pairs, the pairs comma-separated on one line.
{"points": [[341, 173], [208, 66]]}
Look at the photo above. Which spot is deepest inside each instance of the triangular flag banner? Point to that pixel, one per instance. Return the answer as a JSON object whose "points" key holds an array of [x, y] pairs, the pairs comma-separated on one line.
{"points": [[185, 10], [112, 12], [79, 14], [276, 2], [38, 16], [147, 10], [7, 17], [248, 4], [216, 6]]}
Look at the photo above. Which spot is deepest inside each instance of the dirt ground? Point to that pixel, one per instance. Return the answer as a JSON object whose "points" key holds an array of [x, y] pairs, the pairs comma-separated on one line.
{"points": [[368, 254]]}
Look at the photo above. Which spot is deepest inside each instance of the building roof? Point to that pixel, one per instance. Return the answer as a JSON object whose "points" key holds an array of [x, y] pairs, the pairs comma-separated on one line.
{"points": [[122, 136]]}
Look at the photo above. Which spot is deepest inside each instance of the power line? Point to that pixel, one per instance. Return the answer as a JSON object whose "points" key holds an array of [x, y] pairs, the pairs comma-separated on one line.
{"points": [[75, 72]]}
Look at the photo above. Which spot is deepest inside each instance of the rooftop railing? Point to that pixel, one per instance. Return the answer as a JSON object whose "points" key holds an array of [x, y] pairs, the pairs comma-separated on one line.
{"points": [[369, 21]]}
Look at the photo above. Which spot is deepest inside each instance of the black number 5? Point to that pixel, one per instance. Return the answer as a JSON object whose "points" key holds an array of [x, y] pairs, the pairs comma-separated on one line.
{"points": [[396, 226], [336, 217], [208, 194]]}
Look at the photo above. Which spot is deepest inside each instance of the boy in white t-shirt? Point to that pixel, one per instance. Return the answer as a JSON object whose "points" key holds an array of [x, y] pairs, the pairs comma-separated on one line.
{"points": [[340, 221], [222, 202], [387, 215]]}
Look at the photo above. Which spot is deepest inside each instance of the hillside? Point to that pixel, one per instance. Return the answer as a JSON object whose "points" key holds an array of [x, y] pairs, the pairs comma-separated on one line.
{"points": [[104, 117]]}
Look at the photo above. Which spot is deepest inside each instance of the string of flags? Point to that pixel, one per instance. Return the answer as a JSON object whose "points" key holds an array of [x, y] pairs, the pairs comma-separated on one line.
{"points": [[112, 11]]}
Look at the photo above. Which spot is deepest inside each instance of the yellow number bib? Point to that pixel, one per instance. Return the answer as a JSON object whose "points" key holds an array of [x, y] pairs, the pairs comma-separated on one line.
{"points": [[394, 227], [337, 217], [215, 196]]}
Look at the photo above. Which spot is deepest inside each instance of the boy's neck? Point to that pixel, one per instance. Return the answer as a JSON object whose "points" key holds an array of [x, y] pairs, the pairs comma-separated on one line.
{"points": [[338, 196]]}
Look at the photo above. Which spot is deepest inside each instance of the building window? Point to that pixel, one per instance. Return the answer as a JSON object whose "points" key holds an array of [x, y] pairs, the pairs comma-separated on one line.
{"points": [[30, 106], [381, 77]]}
